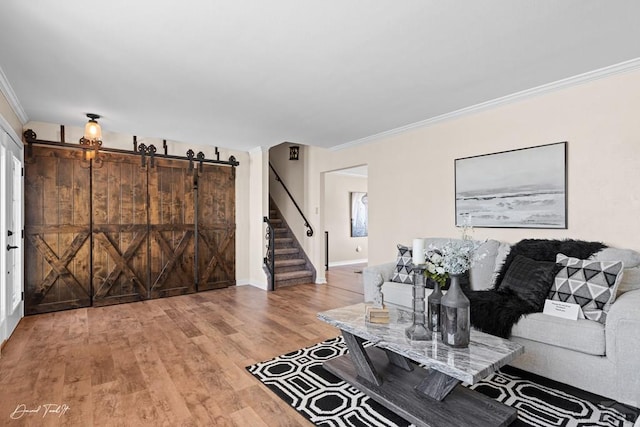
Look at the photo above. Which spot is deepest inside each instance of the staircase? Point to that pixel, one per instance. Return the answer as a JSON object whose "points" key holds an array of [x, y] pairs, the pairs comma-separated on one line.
{"points": [[292, 265]]}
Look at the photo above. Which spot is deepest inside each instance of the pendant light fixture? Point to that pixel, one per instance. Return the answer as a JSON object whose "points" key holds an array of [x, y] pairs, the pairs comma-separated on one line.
{"points": [[92, 138]]}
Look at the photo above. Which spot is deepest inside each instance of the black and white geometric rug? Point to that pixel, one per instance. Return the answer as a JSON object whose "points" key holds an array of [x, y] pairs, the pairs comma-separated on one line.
{"points": [[299, 379]]}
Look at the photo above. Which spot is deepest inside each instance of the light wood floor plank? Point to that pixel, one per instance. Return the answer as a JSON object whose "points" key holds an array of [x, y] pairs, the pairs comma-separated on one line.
{"points": [[176, 361]]}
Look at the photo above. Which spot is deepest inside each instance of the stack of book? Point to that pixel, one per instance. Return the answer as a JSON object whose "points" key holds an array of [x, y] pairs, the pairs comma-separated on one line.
{"points": [[377, 315]]}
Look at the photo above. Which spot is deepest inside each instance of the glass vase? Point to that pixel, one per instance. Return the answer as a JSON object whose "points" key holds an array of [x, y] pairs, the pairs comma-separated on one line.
{"points": [[434, 308], [418, 331], [456, 328]]}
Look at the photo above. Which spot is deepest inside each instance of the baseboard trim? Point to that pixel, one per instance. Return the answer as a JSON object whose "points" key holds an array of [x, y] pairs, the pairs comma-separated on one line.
{"points": [[246, 282], [350, 262]]}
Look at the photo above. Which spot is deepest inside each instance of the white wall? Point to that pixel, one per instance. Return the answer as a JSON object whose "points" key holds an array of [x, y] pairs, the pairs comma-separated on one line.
{"points": [[337, 218], [292, 173], [258, 193], [411, 175]]}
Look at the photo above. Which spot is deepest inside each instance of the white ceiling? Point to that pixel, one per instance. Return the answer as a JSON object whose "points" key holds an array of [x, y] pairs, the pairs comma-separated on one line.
{"points": [[247, 73]]}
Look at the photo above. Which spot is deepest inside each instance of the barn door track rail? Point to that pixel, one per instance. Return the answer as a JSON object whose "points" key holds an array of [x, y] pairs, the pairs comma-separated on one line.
{"points": [[142, 150]]}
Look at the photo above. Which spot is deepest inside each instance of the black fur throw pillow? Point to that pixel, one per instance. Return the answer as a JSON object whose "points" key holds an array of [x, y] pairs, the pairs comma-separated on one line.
{"points": [[530, 280], [546, 250], [495, 312]]}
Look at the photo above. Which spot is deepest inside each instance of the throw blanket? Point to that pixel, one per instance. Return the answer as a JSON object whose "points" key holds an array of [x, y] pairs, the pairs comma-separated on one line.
{"points": [[496, 310]]}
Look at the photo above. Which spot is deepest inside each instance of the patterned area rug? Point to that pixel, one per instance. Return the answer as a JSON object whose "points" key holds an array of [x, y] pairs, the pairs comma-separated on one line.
{"points": [[325, 400]]}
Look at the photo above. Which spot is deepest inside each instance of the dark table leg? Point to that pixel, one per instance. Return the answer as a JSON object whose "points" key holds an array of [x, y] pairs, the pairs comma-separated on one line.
{"points": [[360, 359], [398, 360], [437, 385]]}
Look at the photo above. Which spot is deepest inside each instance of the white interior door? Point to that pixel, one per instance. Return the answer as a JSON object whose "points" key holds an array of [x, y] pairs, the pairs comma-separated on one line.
{"points": [[11, 225]]}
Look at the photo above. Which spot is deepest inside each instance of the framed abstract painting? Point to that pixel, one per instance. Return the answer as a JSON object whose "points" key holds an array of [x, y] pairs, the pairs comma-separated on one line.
{"points": [[523, 188]]}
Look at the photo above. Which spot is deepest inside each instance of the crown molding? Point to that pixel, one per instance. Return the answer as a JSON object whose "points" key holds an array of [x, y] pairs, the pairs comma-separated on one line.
{"points": [[623, 67], [12, 99]]}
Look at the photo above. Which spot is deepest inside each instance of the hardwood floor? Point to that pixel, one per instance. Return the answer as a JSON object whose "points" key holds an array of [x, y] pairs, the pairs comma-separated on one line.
{"points": [[347, 277], [176, 361]]}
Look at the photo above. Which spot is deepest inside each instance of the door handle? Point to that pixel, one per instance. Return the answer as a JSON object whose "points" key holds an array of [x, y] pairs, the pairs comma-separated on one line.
{"points": [[9, 247]]}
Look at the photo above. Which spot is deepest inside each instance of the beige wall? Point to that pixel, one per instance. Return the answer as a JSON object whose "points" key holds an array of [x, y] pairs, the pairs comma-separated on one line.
{"points": [[599, 120], [337, 217], [246, 271]]}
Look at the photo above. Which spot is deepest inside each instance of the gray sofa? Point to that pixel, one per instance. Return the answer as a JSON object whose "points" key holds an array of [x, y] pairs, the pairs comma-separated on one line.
{"points": [[599, 358]]}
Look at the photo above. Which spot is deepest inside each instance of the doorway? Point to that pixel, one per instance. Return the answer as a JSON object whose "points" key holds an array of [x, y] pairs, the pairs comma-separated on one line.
{"points": [[11, 248], [345, 212]]}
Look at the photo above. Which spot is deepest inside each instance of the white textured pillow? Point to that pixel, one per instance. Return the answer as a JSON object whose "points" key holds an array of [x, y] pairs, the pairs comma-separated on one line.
{"points": [[631, 261]]}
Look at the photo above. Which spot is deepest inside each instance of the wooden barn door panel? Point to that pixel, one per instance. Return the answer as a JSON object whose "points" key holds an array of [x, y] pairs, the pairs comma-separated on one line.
{"points": [[120, 230], [171, 228], [216, 227], [57, 231]]}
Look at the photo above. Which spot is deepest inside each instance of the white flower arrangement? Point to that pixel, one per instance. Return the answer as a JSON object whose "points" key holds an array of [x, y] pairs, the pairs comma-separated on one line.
{"points": [[435, 266], [460, 255]]}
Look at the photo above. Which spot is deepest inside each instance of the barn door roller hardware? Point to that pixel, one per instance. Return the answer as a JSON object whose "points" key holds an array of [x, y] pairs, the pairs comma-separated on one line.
{"points": [[31, 138]]}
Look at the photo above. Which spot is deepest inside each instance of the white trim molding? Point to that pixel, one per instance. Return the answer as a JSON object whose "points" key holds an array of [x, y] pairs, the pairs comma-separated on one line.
{"points": [[623, 67], [5, 126], [12, 99], [350, 262]]}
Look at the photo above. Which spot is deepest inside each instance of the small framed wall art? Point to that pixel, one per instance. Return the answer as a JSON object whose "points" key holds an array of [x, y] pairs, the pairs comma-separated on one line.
{"points": [[359, 214], [523, 188]]}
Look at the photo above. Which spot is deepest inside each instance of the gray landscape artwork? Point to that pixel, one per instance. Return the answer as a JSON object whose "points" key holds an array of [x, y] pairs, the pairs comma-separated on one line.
{"points": [[523, 188]]}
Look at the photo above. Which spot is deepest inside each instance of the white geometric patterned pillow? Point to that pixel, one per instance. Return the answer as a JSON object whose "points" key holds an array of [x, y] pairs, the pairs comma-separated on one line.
{"points": [[404, 265], [590, 284]]}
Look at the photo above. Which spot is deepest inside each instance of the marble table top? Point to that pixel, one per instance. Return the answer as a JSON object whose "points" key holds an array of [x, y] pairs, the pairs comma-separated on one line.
{"points": [[485, 354]]}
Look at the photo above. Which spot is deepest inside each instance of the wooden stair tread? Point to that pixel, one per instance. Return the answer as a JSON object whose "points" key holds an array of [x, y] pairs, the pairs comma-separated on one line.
{"points": [[293, 275], [286, 251], [290, 262]]}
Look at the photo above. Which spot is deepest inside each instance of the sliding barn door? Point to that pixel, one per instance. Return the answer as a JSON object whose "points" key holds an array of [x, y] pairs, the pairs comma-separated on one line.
{"points": [[120, 230], [171, 228], [216, 227], [57, 231], [117, 232]]}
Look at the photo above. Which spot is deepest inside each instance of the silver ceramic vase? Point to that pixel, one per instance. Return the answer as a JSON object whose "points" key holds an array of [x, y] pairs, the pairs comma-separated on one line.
{"points": [[456, 327], [434, 319]]}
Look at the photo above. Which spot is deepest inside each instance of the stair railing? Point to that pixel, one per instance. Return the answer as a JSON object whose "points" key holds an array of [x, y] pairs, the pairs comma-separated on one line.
{"points": [[306, 223], [270, 257]]}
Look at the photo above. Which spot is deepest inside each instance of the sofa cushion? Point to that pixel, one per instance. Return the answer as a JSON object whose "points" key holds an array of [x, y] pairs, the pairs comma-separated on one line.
{"points": [[400, 294], [530, 280], [404, 264], [483, 268], [585, 336], [631, 261], [591, 284], [630, 280]]}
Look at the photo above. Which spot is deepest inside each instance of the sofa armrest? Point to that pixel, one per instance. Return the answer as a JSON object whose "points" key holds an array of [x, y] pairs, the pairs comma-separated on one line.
{"points": [[622, 331], [374, 276]]}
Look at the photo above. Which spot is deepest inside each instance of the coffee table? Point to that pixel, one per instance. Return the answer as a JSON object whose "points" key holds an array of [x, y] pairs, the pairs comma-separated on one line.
{"points": [[426, 397]]}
